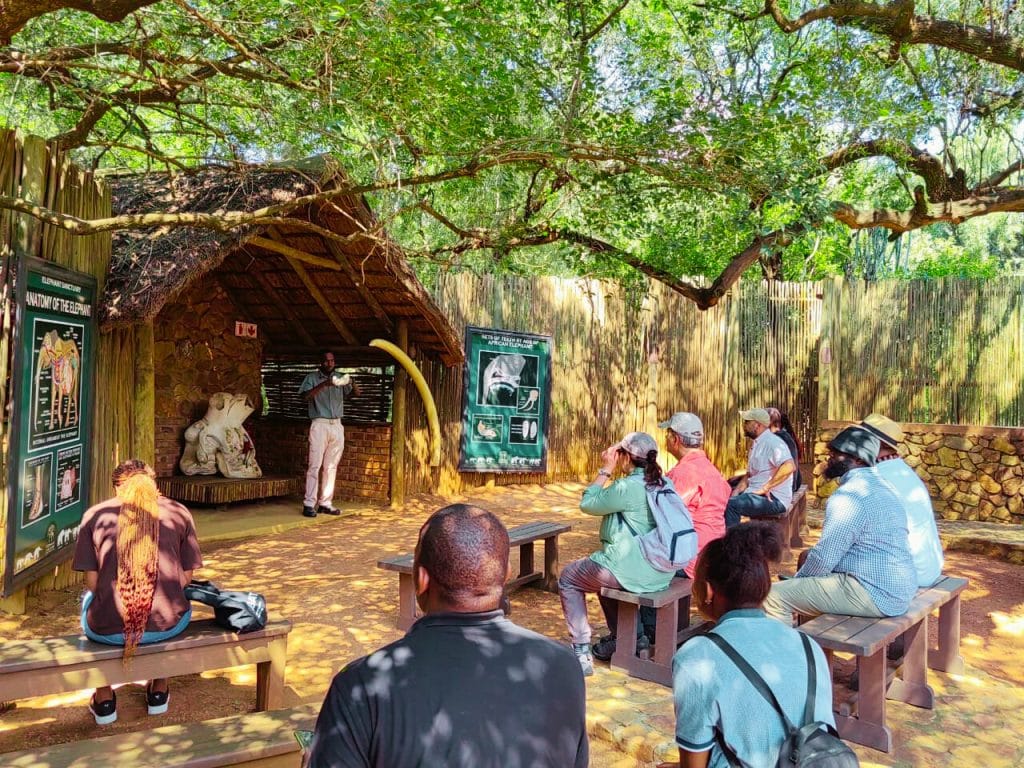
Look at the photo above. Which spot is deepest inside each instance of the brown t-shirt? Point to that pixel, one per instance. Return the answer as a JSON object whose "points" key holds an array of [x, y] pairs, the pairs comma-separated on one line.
{"points": [[96, 550]]}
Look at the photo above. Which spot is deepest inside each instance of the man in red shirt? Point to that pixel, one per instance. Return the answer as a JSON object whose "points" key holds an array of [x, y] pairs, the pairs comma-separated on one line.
{"points": [[698, 482]]}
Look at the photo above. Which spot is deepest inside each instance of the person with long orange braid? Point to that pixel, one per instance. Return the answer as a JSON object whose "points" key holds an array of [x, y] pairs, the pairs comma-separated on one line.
{"points": [[138, 551]]}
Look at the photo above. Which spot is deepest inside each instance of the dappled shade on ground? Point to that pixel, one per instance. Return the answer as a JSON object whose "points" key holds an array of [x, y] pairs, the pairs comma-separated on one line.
{"points": [[323, 577]]}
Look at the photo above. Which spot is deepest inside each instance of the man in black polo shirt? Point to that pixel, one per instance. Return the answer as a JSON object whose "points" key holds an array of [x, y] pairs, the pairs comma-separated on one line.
{"points": [[465, 688]]}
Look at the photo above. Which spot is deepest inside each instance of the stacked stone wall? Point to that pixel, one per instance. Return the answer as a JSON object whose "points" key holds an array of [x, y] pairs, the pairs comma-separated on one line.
{"points": [[972, 473], [197, 353]]}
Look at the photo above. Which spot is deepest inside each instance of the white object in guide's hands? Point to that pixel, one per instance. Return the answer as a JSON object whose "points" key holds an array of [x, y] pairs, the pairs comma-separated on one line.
{"points": [[339, 379]]}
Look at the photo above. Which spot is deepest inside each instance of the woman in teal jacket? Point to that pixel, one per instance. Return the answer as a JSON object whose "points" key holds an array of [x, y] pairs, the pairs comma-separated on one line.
{"points": [[619, 563]]}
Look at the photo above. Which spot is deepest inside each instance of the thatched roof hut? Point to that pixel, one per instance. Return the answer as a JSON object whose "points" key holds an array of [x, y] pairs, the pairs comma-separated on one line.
{"points": [[302, 288]]}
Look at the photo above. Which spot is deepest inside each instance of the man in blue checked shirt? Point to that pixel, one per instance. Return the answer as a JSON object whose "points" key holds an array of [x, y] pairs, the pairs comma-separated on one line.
{"points": [[861, 566]]}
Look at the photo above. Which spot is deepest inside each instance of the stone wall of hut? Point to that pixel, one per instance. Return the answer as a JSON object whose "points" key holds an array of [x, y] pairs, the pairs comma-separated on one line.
{"points": [[972, 473], [195, 354]]}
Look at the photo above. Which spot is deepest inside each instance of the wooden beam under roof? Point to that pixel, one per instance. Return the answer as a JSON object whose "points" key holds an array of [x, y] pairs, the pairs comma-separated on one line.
{"points": [[293, 253], [315, 292], [368, 297]]}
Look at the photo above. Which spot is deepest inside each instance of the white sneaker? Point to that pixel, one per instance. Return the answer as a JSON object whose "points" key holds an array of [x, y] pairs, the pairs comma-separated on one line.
{"points": [[582, 651]]}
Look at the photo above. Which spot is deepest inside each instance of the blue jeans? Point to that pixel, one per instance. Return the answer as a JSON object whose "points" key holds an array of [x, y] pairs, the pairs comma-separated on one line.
{"points": [[748, 504], [118, 639]]}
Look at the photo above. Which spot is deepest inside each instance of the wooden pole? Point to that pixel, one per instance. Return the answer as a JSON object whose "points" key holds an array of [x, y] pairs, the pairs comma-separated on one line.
{"points": [[398, 410], [144, 410]]}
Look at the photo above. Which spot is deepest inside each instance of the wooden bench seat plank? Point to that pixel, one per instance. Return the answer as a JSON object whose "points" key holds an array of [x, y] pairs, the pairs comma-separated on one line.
{"points": [[23, 655], [248, 739], [678, 589]]}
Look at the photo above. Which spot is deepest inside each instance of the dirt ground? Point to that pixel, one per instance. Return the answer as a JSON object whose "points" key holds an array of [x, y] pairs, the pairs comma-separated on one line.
{"points": [[324, 578]]}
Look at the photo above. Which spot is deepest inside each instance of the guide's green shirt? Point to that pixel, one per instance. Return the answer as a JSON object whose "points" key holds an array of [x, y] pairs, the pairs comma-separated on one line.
{"points": [[619, 551]]}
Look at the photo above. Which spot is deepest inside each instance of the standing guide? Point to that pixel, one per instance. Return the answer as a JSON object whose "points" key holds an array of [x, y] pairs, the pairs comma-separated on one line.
{"points": [[325, 390]]}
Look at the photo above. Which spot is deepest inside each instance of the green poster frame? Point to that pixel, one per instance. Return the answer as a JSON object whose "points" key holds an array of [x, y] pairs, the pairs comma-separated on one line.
{"points": [[506, 401], [30, 446]]}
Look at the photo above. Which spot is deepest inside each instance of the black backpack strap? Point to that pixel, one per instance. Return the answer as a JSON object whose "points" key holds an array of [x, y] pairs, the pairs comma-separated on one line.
{"points": [[625, 522], [751, 674], [812, 681]]}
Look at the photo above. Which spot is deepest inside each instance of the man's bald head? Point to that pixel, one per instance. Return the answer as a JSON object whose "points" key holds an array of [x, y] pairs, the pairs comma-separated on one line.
{"points": [[464, 551]]}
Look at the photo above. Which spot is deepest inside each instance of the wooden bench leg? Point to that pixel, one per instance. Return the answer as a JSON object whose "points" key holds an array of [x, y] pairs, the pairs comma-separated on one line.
{"points": [[912, 688], [270, 677], [406, 601], [784, 524], [525, 559], [666, 619], [798, 515], [550, 581], [947, 658], [868, 727]]}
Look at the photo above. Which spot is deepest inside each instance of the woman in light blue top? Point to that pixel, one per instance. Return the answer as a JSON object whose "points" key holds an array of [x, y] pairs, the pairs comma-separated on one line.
{"points": [[619, 563], [716, 706]]}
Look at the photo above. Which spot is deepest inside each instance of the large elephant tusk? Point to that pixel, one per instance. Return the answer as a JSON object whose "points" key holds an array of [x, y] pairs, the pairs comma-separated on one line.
{"points": [[428, 399]]}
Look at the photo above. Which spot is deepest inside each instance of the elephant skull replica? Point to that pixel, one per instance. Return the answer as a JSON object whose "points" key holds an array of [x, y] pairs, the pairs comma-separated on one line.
{"points": [[219, 442]]}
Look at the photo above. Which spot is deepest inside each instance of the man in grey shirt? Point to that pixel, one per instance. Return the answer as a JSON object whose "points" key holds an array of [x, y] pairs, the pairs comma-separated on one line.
{"points": [[325, 390], [465, 688]]}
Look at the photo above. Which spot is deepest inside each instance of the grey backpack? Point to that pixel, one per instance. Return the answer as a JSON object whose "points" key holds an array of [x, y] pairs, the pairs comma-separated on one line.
{"points": [[813, 744]]}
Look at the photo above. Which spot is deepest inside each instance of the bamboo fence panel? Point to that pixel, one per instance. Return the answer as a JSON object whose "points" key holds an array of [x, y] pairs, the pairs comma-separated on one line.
{"points": [[622, 360], [947, 351]]}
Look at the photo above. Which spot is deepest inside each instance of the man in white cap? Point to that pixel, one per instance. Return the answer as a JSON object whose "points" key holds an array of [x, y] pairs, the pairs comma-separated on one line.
{"points": [[698, 482], [769, 490], [923, 534]]}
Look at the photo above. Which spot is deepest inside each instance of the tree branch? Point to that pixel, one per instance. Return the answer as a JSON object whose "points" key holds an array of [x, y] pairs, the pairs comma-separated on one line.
{"points": [[15, 14], [898, 22]]}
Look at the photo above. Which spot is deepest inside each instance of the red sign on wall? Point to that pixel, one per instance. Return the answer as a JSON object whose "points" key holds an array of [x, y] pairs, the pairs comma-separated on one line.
{"points": [[245, 330]]}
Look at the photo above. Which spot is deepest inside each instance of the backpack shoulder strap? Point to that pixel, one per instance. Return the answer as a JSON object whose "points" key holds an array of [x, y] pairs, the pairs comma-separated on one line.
{"points": [[625, 522], [751, 674], [812, 680]]}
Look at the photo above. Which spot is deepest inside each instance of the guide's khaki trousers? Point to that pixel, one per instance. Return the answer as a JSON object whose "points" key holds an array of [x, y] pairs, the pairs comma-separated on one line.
{"points": [[326, 443]]}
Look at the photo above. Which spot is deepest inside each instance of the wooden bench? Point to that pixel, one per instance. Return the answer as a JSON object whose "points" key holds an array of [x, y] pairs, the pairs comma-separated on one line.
{"points": [[254, 740], [863, 720], [523, 537], [213, 489], [62, 664], [672, 626], [791, 523]]}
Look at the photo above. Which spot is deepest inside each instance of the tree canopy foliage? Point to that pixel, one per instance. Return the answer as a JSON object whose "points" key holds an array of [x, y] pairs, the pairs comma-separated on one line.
{"points": [[674, 137]]}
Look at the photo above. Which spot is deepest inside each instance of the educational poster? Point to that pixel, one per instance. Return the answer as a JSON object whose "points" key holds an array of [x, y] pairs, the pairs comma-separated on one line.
{"points": [[506, 401], [55, 338]]}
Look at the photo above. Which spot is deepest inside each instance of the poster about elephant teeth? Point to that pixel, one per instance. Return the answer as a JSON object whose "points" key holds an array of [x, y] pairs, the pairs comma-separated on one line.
{"points": [[56, 352], [69, 469], [506, 401]]}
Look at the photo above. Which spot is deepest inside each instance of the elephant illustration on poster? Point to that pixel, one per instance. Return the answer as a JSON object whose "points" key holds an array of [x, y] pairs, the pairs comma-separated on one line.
{"points": [[62, 359]]}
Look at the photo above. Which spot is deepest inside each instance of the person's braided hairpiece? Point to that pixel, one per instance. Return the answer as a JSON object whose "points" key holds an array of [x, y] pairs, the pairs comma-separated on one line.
{"points": [[138, 547]]}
